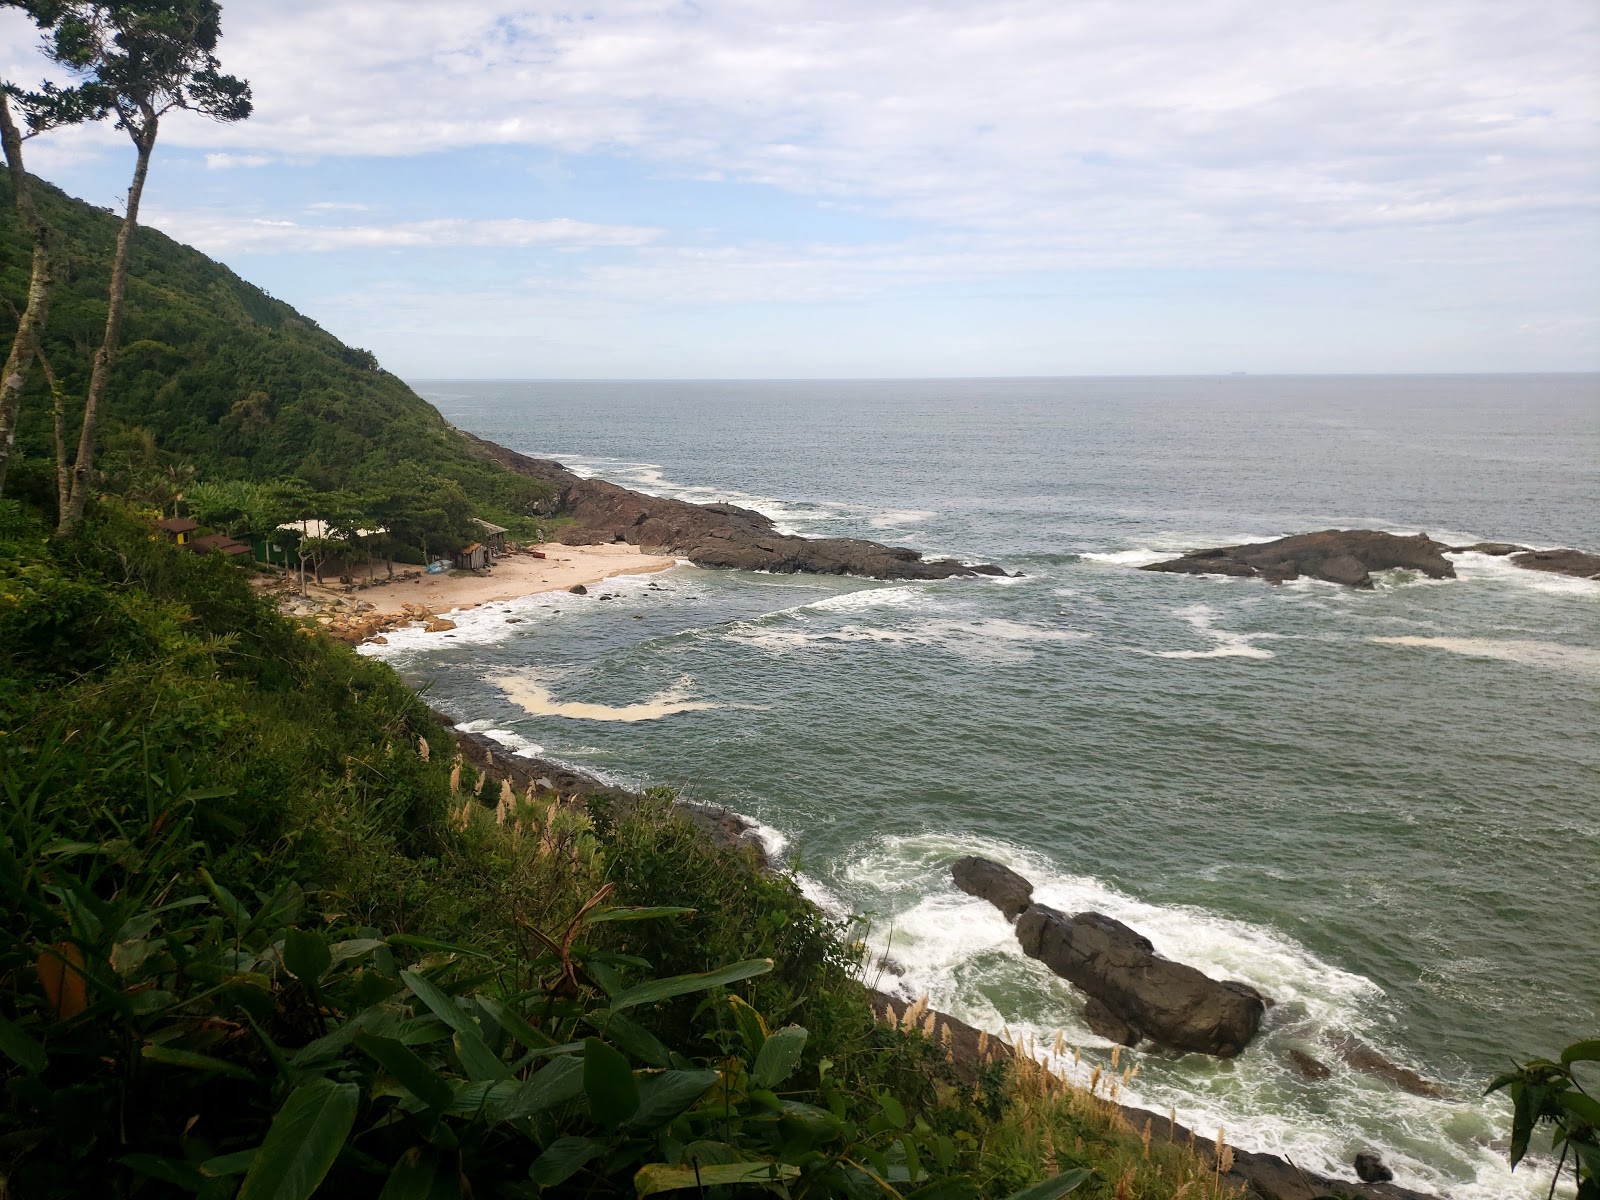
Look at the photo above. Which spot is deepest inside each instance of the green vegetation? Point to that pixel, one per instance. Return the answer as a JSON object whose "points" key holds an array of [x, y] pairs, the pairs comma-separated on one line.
{"points": [[1547, 1092], [218, 379]]}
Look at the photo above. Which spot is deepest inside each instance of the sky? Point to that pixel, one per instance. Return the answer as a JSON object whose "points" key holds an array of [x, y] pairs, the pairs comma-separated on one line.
{"points": [[812, 188]]}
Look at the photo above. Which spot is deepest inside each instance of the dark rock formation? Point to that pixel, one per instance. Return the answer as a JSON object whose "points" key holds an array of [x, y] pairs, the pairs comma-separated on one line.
{"points": [[1345, 556], [1308, 1067], [1000, 886], [578, 589], [1364, 1058], [710, 535], [1101, 1020], [1560, 562], [1168, 1002], [1498, 549], [1260, 1176], [1370, 1168]]}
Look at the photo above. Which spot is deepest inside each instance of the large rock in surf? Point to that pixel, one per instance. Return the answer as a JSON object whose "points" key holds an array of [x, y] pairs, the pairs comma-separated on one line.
{"points": [[1560, 562], [1364, 1058], [1345, 556], [710, 535], [1154, 997], [1000, 886]]}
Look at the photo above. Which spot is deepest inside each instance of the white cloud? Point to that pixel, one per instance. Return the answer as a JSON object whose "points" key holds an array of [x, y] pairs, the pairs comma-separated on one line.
{"points": [[223, 162], [224, 234]]}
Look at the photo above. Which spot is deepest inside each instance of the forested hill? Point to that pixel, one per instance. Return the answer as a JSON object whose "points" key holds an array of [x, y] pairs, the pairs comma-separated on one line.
{"points": [[219, 375]]}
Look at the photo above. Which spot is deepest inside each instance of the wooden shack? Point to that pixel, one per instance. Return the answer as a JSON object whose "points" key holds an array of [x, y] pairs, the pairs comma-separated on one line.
{"points": [[494, 536], [178, 529], [219, 543], [474, 558]]}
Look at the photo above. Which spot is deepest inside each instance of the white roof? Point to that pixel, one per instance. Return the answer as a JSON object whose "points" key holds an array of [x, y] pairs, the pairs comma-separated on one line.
{"points": [[317, 528]]}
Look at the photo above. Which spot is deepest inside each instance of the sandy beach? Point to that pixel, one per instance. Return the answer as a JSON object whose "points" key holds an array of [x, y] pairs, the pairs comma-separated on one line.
{"points": [[520, 574]]}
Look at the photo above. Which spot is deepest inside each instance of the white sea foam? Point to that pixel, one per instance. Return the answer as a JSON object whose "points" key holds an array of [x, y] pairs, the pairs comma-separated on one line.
{"points": [[523, 689], [509, 738], [1551, 656], [992, 639], [1226, 643], [910, 516], [908, 595], [1489, 568], [932, 940]]}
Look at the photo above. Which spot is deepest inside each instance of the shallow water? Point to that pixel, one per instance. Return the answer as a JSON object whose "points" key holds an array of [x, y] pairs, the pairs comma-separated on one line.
{"points": [[1383, 809]]}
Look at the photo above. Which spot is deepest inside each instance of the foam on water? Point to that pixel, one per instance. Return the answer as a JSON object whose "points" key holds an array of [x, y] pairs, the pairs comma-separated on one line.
{"points": [[1551, 656], [523, 689], [992, 638], [1488, 568], [509, 738], [1227, 643], [930, 939]]}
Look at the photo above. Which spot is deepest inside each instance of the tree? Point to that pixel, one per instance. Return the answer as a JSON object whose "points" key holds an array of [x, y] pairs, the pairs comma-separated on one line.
{"points": [[41, 278], [139, 60]]}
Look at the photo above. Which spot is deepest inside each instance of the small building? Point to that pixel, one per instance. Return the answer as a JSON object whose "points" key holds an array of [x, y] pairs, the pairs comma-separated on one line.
{"points": [[494, 536], [219, 543], [474, 558], [178, 529]]}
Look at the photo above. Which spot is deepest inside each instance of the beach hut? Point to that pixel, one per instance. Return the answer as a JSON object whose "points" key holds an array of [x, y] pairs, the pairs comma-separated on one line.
{"points": [[494, 536], [219, 543], [474, 558], [178, 529]]}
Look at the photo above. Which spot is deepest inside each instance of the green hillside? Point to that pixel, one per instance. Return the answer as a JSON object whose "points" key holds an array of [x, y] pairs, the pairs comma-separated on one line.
{"points": [[222, 377]]}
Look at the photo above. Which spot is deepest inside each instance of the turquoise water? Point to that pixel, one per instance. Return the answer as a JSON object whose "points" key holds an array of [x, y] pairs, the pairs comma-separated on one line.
{"points": [[1381, 808]]}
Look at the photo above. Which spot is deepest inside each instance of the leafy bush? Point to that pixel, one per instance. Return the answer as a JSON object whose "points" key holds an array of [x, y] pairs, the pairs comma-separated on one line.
{"points": [[1546, 1092]]}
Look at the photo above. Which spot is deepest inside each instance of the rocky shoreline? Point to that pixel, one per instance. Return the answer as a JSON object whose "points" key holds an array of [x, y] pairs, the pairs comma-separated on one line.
{"points": [[710, 535], [1349, 556]]}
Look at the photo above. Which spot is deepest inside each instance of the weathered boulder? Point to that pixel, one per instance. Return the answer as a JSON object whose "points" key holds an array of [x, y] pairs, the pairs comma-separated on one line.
{"points": [[439, 625], [710, 535], [1560, 562], [578, 589], [1168, 1002], [1101, 1020], [1347, 556], [1498, 549], [987, 880], [1370, 1168]]}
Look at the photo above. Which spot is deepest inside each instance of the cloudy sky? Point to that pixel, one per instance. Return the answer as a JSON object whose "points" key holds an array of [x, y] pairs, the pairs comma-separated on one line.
{"points": [[820, 188]]}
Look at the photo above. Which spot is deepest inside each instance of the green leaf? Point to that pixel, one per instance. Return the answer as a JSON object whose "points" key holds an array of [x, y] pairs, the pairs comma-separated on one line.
{"points": [[227, 901], [1051, 1188], [634, 914], [195, 1062], [422, 943], [893, 1111], [18, 1046], [306, 955], [1587, 1050], [658, 1177], [780, 1055], [1586, 1108], [680, 985], [563, 1159], [553, 1084], [441, 1005], [477, 1059], [236, 1163], [515, 1025], [305, 1138], [168, 1170], [416, 1076], [633, 1037], [609, 1084], [752, 1026], [416, 1176], [662, 1096]]}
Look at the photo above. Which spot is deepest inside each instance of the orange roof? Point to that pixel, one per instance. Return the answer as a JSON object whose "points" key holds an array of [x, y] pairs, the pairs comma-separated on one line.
{"points": [[177, 525]]}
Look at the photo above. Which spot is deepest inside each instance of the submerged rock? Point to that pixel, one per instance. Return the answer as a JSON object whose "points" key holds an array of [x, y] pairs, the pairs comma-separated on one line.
{"points": [[1346, 556], [1001, 886], [1308, 1067], [1560, 562], [1168, 1002], [1364, 1058], [1498, 549]]}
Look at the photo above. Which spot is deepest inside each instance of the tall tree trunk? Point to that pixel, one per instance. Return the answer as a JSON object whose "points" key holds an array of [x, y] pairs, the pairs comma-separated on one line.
{"points": [[25, 343], [58, 401], [83, 465]]}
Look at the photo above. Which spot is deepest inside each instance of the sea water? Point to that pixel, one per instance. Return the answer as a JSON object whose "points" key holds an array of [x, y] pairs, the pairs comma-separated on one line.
{"points": [[1380, 808]]}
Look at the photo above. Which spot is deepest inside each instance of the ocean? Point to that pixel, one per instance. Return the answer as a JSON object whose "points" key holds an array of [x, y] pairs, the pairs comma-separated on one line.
{"points": [[1380, 808]]}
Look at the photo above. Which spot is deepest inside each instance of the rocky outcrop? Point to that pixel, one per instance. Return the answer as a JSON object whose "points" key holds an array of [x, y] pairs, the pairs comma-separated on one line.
{"points": [[710, 535], [1371, 1169], [1000, 886], [1560, 562], [1261, 1176], [1497, 549], [1308, 1067], [1168, 1002], [1364, 1058], [1347, 556]]}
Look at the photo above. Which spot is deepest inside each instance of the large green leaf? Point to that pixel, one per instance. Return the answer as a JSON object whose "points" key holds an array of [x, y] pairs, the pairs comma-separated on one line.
{"points": [[419, 1174], [632, 1037], [305, 1138], [780, 1055], [681, 985], [658, 1177], [306, 955], [563, 1159], [634, 914], [665, 1094], [416, 1076], [556, 1083], [608, 1083], [441, 1005], [18, 1046], [477, 1059], [515, 1024], [1051, 1188], [1587, 1050], [173, 1057]]}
